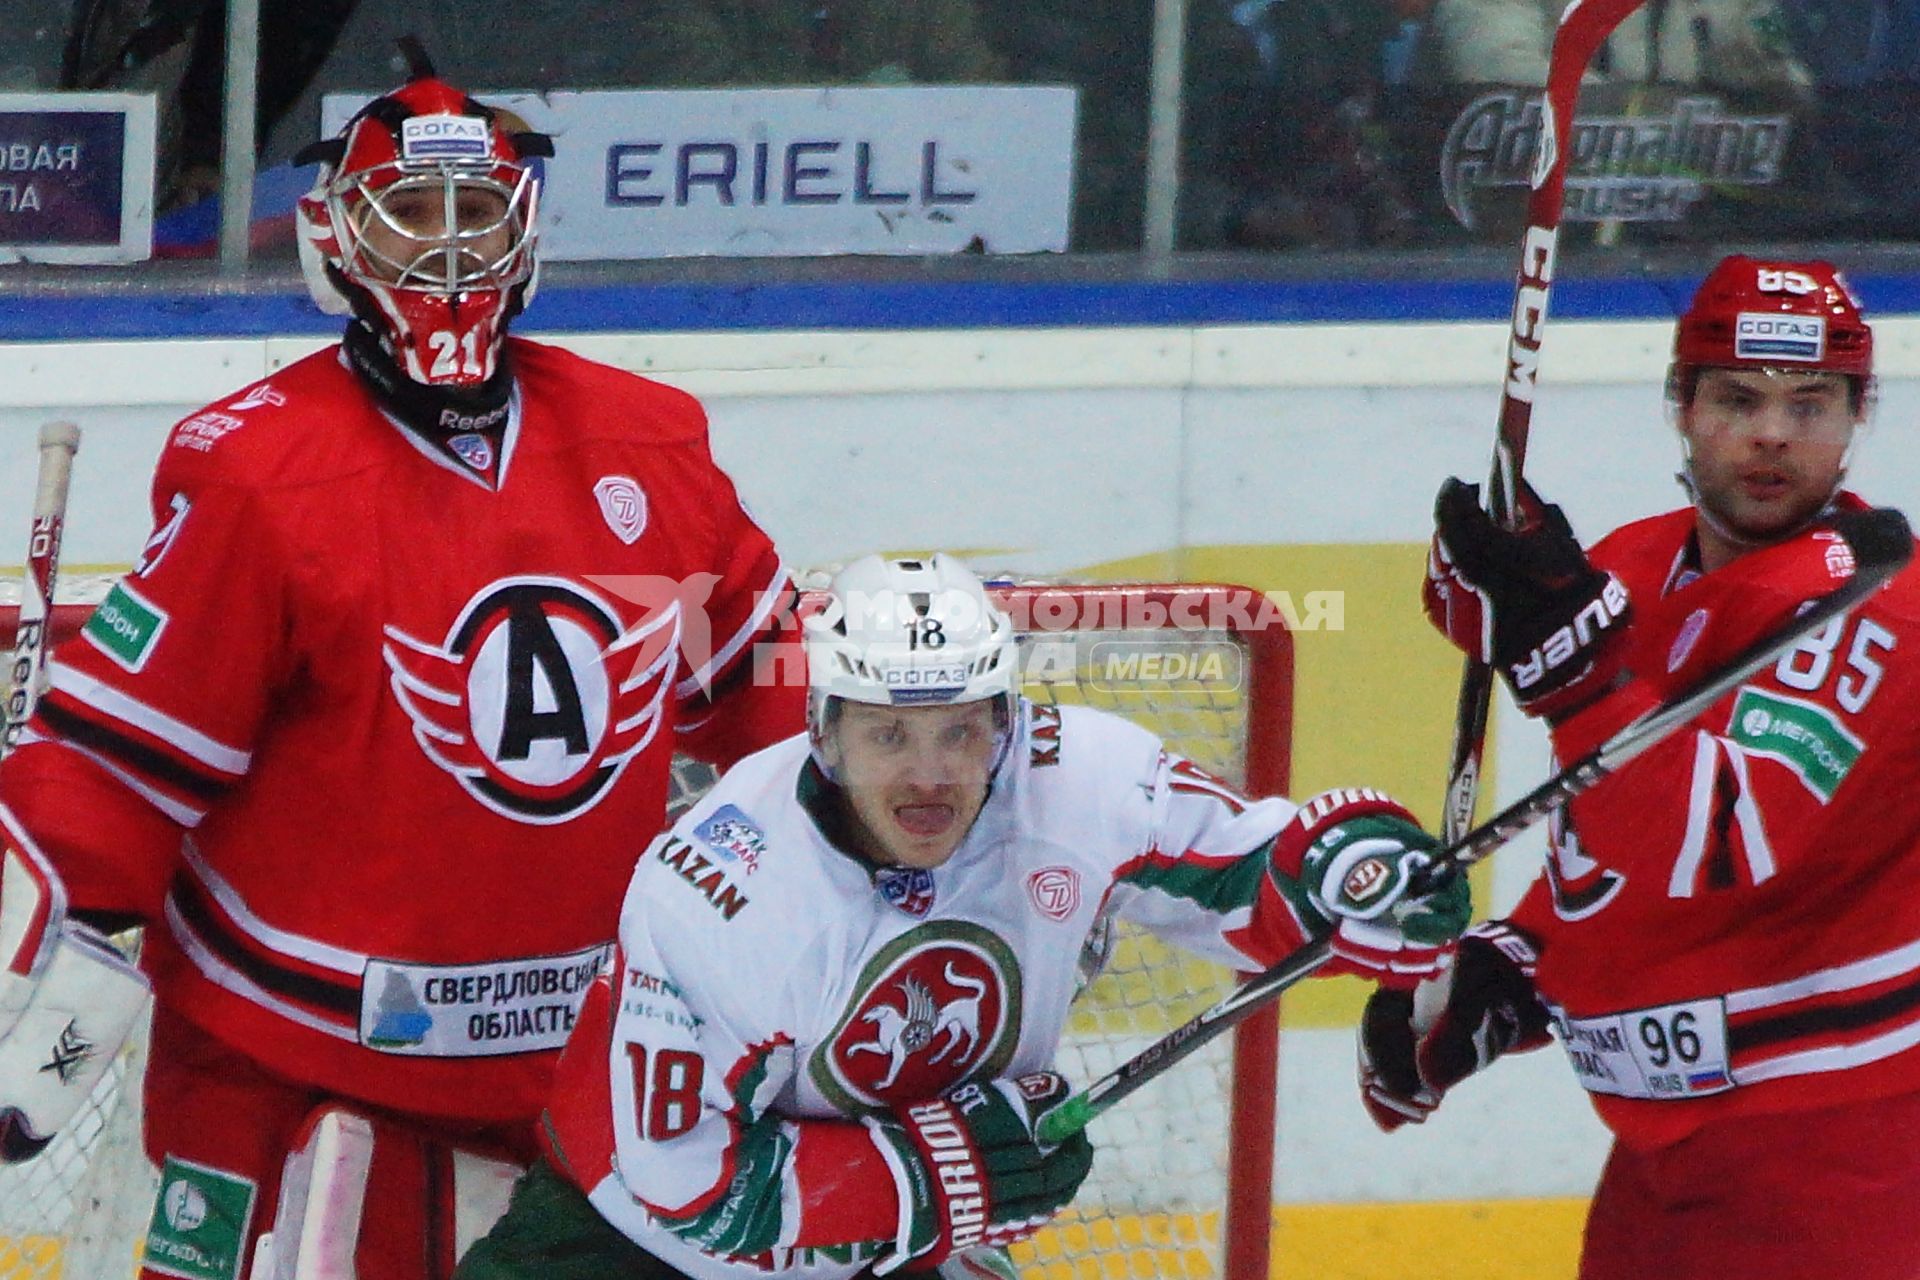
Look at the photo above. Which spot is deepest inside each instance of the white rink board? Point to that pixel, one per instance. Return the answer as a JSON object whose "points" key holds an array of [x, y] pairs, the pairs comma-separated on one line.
{"points": [[1053, 449]]}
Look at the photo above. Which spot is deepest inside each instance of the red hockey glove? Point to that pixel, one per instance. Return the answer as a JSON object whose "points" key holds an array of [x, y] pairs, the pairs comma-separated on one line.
{"points": [[1415, 1045], [1350, 857], [1526, 601], [971, 1172]]}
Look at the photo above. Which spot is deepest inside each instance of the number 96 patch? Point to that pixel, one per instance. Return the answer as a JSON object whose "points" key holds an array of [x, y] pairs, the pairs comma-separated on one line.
{"points": [[1668, 1051]]}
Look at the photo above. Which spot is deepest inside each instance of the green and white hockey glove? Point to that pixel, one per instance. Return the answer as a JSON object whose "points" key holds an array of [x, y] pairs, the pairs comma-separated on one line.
{"points": [[970, 1171], [1353, 854]]}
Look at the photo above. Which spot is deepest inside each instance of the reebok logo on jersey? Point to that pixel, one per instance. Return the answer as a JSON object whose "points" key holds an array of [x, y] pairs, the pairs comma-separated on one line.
{"points": [[162, 540], [1688, 636], [536, 700]]}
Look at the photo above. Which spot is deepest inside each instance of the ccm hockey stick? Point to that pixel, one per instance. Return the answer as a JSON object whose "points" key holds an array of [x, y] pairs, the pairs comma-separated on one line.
{"points": [[1882, 545], [59, 441], [1583, 28]]}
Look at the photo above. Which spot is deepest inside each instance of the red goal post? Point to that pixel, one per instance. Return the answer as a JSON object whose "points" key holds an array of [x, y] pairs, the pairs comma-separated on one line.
{"points": [[1158, 653]]}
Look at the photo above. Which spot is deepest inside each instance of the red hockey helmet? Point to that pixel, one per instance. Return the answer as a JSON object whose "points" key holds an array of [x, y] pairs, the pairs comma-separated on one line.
{"points": [[422, 224], [1757, 314]]}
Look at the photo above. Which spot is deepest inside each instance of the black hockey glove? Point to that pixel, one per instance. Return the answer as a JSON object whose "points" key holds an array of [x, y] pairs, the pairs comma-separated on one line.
{"points": [[1415, 1045], [1526, 601], [971, 1170]]}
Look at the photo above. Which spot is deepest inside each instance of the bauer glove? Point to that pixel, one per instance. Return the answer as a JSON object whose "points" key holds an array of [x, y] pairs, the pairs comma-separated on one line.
{"points": [[1415, 1045], [1526, 601]]}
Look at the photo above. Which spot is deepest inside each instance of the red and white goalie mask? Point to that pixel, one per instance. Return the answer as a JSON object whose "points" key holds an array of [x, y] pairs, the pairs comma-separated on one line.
{"points": [[422, 224]]}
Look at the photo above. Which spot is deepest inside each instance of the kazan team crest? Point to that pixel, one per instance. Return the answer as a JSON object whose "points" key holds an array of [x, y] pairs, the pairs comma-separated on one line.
{"points": [[536, 700], [938, 1005]]}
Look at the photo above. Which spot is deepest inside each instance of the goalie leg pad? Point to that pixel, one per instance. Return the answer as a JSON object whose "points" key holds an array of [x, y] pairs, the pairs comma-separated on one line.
{"points": [[32, 912], [77, 1013], [323, 1191], [328, 1227]]}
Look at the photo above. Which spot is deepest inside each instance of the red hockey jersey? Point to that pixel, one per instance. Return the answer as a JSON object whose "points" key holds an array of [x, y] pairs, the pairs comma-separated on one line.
{"points": [[1732, 925], [413, 709]]}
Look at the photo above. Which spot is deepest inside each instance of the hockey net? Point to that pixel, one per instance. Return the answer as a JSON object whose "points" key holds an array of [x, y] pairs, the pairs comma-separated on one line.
{"points": [[1182, 1182]]}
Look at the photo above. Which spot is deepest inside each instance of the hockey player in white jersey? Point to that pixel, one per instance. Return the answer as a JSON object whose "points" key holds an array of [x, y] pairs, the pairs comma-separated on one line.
{"points": [[827, 1035]]}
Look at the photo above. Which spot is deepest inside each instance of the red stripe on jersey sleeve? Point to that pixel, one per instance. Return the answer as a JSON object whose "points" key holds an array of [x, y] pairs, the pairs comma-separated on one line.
{"points": [[577, 1126], [151, 759], [847, 1193]]}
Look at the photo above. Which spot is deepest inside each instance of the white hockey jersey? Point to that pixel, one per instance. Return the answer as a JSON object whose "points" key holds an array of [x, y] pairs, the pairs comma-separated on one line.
{"points": [[773, 989]]}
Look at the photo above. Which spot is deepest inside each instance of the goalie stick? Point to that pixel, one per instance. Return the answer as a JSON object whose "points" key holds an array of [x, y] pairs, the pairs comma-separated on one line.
{"points": [[1882, 545], [59, 441], [1583, 28]]}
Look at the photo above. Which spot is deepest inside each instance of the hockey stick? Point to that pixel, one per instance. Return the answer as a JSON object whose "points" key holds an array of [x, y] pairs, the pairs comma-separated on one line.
{"points": [[1583, 28], [59, 441], [1882, 545]]}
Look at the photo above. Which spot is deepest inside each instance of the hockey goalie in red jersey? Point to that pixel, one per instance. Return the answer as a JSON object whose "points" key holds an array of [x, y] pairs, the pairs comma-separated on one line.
{"points": [[369, 732], [1726, 937]]}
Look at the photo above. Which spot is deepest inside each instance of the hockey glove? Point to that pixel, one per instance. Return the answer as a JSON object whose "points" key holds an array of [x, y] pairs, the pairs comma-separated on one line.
{"points": [[1353, 854], [1415, 1045], [82, 1006], [1526, 601], [972, 1173]]}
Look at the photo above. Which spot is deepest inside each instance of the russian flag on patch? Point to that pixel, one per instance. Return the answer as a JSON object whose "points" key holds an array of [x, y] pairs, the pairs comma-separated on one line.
{"points": [[1715, 1079]]}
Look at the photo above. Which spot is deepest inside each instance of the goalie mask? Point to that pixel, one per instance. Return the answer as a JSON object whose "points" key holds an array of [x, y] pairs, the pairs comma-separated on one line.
{"points": [[905, 633], [421, 224]]}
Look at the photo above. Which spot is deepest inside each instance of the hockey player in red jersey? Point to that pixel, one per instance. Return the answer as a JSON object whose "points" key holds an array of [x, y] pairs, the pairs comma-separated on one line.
{"points": [[368, 733], [1726, 936]]}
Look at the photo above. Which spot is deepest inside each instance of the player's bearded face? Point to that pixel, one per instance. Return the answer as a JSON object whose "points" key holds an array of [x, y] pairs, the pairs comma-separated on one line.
{"points": [[916, 777], [1767, 447]]}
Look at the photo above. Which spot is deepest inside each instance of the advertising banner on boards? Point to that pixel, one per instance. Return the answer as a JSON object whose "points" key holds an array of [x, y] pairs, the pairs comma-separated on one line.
{"points": [[797, 172], [76, 177]]}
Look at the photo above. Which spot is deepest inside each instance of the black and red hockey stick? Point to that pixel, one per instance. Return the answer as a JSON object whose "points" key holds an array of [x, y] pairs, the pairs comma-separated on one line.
{"points": [[1583, 28]]}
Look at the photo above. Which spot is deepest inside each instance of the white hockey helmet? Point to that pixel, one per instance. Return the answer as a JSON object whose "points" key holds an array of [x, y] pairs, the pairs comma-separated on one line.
{"points": [[909, 633]]}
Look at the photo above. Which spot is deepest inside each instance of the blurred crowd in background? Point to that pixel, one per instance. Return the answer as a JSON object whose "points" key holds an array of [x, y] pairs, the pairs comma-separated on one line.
{"points": [[1322, 124]]}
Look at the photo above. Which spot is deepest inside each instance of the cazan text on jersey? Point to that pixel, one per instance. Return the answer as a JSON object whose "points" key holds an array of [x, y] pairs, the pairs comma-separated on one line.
{"points": [[1574, 637]]}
